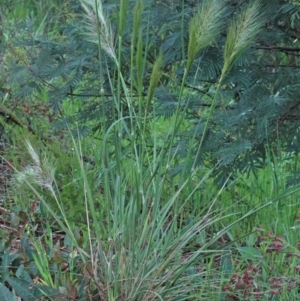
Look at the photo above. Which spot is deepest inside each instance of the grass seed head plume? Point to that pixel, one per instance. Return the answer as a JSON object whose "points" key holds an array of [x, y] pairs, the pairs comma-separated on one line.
{"points": [[98, 28], [155, 78], [204, 27], [123, 16], [40, 172], [138, 10], [241, 32]]}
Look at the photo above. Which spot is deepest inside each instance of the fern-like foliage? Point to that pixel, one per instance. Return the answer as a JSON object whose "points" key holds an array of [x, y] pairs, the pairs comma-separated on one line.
{"points": [[256, 106]]}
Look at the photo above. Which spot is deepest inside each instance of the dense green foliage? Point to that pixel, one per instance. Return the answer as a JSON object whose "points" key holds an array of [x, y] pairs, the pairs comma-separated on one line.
{"points": [[255, 106]]}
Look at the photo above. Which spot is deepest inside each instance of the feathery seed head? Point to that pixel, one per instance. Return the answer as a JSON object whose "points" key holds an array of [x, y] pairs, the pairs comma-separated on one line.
{"points": [[98, 27], [241, 32], [204, 27], [40, 172]]}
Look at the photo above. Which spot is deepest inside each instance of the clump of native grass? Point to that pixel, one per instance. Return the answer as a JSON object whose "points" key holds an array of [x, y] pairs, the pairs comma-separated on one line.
{"points": [[150, 250]]}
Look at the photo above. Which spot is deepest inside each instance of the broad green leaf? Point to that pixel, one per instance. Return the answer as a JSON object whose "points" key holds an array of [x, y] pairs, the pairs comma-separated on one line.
{"points": [[24, 289], [250, 253], [5, 294], [7, 259], [226, 264], [44, 290], [23, 274]]}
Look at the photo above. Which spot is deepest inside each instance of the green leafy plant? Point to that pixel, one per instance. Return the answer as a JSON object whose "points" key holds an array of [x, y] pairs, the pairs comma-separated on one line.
{"points": [[14, 275], [220, 79]]}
